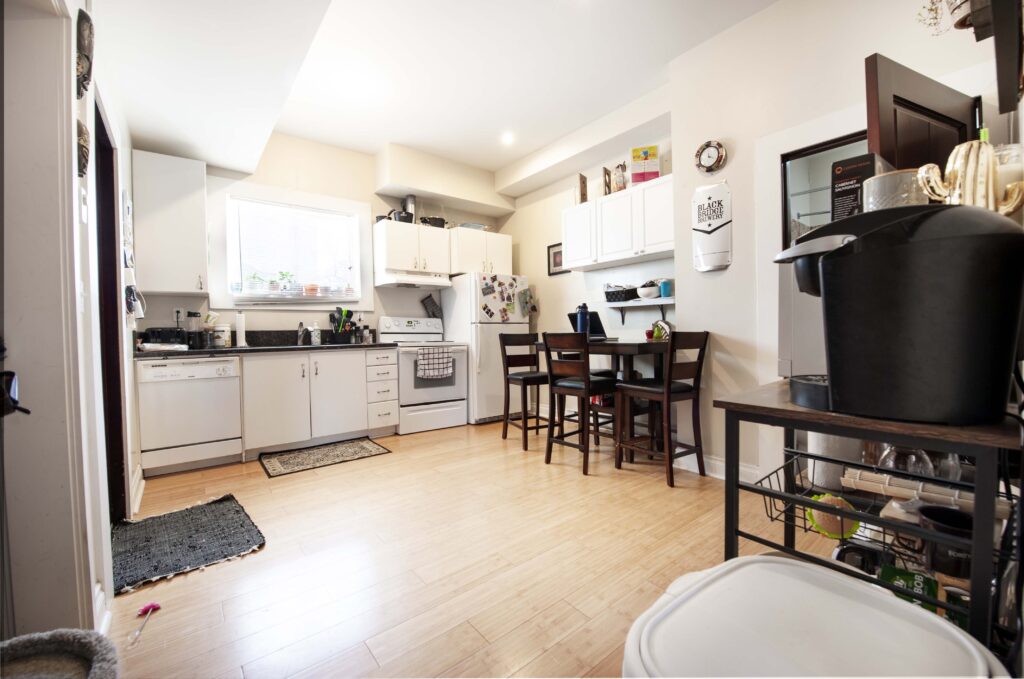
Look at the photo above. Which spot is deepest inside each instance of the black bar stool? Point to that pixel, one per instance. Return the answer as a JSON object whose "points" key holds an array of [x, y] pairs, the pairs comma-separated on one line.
{"points": [[664, 391], [525, 379], [571, 377]]}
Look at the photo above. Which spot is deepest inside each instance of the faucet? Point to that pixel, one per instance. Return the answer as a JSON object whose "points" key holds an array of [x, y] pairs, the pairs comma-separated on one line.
{"points": [[302, 333]]}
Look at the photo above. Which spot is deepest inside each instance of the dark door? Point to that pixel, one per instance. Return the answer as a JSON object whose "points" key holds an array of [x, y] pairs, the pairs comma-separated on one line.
{"points": [[914, 120], [108, 249]]}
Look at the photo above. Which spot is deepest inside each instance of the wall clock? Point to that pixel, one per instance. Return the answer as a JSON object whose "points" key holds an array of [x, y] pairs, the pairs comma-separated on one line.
{"points": [[710, 156]]}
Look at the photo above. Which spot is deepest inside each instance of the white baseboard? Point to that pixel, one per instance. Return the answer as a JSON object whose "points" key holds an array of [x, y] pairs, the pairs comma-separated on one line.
{"points": [[100, 610], [138, 487], [715, 466]]}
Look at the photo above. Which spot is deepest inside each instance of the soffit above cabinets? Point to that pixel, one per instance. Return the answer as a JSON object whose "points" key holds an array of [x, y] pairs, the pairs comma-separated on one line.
{"points": [[402, 170]]}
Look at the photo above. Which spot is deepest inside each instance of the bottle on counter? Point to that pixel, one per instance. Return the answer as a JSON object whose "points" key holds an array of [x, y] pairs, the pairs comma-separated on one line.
{"points": [[357, 337], [195, 330], [367, 335], [314, 335]]}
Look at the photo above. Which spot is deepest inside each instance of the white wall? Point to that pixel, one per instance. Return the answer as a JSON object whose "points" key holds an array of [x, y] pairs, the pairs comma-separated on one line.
{"points": [[55, 463], [311, 167], [809, 64], [537, 223]]}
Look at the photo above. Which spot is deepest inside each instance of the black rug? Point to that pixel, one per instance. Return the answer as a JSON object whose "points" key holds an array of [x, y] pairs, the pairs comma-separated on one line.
{"points": [[181, 541], [291, 461]]}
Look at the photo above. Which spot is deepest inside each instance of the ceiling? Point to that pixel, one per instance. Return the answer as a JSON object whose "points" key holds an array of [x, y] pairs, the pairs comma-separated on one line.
{"points": [[199, 78], [212, 79], [450, 76]]}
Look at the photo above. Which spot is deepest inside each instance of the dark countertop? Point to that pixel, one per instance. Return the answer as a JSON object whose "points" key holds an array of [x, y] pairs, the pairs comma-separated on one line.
{"points": [[239, 351], [772, 400]]}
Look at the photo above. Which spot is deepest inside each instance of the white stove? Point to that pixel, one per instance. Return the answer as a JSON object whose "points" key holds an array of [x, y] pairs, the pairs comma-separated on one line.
{"points": [[411, 331], [426, 402]]}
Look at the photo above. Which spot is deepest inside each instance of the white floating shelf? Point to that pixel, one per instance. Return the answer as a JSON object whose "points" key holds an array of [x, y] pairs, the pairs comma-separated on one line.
{"points": [[661, 302]]}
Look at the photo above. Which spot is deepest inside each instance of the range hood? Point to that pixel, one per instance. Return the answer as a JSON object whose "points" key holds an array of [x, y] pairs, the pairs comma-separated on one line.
{"points": [[404, 279]]}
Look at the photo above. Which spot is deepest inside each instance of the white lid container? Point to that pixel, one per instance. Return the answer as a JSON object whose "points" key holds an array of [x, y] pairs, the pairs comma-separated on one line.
{"points": [[771, 616], [222, 335]]}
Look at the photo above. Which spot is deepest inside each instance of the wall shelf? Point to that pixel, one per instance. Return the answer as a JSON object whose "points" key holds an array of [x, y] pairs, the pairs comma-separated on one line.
{"points": [[660, 302]]}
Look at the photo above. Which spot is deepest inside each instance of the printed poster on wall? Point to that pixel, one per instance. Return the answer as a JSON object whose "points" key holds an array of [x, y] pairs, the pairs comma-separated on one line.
{"points": [[711, 216]]}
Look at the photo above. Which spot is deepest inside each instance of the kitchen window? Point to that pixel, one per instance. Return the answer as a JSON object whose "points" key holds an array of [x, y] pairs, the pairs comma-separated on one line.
{"points": [[291, 253]]}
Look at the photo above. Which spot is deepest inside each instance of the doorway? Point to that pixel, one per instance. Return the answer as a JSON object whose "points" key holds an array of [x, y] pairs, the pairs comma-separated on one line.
{"points": [[108, 253]]}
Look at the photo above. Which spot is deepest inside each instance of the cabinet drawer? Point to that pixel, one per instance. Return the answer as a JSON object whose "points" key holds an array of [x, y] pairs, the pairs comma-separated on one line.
{"points": [[386, 390], [382, 357], [381, 372], [383, 414]]}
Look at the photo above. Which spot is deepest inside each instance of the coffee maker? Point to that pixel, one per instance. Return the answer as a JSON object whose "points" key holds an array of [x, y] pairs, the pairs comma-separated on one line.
{"points": [[922, 313]]}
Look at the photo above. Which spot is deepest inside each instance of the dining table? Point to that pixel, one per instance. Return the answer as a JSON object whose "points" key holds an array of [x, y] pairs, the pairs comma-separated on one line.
{"points": [[622, 352]]}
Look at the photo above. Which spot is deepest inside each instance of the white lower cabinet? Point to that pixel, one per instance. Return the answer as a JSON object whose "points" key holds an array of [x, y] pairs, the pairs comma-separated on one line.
{"points": [[386, 390], [383, 414], [291, 397], [275, 399], [337, 403]]}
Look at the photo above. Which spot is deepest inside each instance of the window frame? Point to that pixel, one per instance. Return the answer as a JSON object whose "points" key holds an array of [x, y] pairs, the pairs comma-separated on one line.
{"points": [[220, 185], [233, 243]]}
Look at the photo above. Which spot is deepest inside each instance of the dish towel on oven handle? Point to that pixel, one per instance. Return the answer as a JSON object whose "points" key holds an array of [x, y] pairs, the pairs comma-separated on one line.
{"points": [[434, 363]]}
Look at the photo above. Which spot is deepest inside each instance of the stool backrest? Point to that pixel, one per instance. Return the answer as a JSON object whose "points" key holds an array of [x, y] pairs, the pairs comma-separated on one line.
{"points": [[568, 355], [674, 369], [529, 359]]}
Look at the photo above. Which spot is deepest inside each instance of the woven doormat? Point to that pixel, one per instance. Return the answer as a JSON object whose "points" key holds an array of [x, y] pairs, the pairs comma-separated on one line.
{"points": [[291, 461], [181, 541]]}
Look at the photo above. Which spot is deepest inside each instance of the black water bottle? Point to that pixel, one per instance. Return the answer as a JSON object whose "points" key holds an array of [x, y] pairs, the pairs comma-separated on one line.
{"points": [[582, 318]]}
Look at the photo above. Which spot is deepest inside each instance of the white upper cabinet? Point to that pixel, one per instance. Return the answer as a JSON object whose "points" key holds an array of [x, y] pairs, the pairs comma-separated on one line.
{"points": [[413, 254], [615, 227], [337, 392], [579, 236], [397, 245], [169, 196], [434, 250], [633, 225], [657, 232], [478, 250], [499, 253], [469, 250]]}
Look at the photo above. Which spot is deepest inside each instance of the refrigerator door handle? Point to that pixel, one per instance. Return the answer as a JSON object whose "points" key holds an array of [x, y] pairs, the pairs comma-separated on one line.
{"points": [[476, 353]]}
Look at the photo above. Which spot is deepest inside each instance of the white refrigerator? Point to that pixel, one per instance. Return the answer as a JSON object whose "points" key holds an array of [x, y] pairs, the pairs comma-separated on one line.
{"points": [[477, 308]]}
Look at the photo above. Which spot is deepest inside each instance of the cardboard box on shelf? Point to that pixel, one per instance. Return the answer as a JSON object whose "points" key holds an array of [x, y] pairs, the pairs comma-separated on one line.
{"points": [[644, 164]]}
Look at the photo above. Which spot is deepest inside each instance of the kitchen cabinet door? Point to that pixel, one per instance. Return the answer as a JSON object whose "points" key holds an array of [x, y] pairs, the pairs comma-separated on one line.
{"points": [[657, 231], [615, 227], [397, 245], [169, 196], [468, 250], [579, 242], [275, 399], [499, 253], [912, 119], [435, 249], [337, 392]]}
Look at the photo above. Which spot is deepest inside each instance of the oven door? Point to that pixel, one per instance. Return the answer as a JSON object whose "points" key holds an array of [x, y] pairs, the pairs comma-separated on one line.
{"points": [[413, 390]]}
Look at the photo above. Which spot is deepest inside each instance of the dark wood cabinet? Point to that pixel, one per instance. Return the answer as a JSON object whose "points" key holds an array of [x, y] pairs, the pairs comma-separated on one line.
{"points": [[912, 119]]}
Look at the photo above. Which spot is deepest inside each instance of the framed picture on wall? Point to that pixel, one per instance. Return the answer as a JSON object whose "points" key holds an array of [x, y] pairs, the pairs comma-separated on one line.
{"points": [[555, 260]]}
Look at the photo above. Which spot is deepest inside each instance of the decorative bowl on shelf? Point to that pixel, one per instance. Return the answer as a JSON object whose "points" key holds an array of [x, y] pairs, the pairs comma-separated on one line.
{"points": [[649, 293]]}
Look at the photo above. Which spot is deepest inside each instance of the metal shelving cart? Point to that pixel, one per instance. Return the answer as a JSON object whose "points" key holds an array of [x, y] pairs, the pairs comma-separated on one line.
{"points": [[787, 493]]}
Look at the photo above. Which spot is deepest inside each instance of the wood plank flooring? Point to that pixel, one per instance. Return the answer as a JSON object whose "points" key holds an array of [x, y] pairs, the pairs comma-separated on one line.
{"points": [[458, 555]]}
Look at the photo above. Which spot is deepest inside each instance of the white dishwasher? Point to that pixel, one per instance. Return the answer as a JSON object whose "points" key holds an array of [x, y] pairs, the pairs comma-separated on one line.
{"points": [[190, 413]]}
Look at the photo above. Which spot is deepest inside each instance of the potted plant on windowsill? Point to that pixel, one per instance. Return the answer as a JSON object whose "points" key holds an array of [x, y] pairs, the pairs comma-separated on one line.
{"points": [[254, 282], [286, 280]]}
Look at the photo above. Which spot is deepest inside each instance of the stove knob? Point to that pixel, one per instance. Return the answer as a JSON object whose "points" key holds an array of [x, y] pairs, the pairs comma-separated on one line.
{"points": [[387, 323]]}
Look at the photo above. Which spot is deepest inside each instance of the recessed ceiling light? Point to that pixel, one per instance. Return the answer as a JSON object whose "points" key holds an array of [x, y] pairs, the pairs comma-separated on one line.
{"points": [[507, 138]]}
